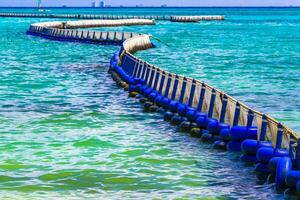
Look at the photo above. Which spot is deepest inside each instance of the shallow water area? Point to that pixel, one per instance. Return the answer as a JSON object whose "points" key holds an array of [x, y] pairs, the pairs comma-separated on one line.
{"points": [[67, 131]]}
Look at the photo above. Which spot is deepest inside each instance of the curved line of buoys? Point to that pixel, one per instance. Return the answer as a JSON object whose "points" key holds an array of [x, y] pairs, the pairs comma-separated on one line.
{"points": [[105, 17], [195, 106], [273, 162], [67, 31]]}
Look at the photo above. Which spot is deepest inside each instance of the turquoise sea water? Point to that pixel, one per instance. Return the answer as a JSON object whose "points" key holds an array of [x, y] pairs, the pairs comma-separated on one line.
{"points": [[66, 130]]}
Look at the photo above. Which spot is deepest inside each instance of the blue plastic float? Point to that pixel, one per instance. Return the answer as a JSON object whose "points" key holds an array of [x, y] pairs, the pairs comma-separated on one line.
{"points": [[237, 138]]}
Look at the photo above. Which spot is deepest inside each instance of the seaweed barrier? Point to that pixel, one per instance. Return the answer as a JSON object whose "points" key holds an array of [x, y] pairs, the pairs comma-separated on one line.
{"points": [[105, 17], [65, 31], [196, 107]]}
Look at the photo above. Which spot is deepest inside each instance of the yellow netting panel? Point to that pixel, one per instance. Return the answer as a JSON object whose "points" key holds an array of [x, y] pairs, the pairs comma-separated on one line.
{"points": [[179, 87], [159, 80], [188, 88], [84, 35], [145, 77], [171, 86], [272, 131], [66, 33], [149, 75], [148, 72], [230, 110], [104, 35], [74, 33], [257, 121], [90, 34], [127, 36], [243, 116], [62, 32], [197, 94], [97, 35], [286, 138], [207, 97], [145, 72], [111, 35], [141, 68], [218, 105], [135, 67], [119, 36], [154, 77], [166, 82]]}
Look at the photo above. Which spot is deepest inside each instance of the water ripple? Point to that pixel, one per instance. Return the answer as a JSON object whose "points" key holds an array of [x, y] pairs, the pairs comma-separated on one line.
{"points": [[68, 131]]}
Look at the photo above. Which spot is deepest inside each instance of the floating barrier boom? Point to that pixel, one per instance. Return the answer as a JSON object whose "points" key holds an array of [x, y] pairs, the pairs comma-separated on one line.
{"points": [[219, 118], [105, 17], [66, 31], [272, 128], [194, 105]]}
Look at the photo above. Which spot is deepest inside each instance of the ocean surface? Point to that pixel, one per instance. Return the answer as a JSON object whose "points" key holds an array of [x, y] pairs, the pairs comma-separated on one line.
{"points": [[68, 132]]}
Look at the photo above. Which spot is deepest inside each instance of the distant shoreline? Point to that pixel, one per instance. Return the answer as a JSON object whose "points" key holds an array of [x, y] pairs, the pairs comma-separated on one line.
{"points": [[124, 7]]}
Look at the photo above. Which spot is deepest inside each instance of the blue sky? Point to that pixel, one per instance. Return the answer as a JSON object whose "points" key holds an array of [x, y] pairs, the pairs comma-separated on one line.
{"points": [[156, 2]]}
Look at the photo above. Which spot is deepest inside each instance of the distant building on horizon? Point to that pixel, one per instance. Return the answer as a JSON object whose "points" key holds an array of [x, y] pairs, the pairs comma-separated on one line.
{"points": [[98, 3], [102, 4]]}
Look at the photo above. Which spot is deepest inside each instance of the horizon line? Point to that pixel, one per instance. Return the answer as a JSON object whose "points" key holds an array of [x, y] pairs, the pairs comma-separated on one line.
{"points": [[153, 7]]}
